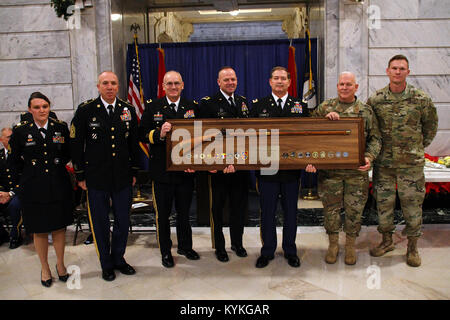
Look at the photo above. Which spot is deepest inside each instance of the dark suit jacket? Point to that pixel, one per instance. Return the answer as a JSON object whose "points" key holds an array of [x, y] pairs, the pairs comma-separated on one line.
{"points": [[105, 151], [38, 164], [218, 107], [267, 108], [156, 113]]}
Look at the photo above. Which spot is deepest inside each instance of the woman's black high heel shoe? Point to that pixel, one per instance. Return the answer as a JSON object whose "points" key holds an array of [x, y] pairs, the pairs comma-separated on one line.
{"points": [[46, 283], [62, 278]]}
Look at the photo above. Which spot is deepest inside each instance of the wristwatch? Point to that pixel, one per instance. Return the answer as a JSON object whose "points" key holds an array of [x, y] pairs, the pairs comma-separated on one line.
{"points": [[12, 194]]}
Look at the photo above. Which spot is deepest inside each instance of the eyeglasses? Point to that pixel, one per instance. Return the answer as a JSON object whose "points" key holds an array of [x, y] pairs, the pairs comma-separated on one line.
{"points": [[176, 84]]}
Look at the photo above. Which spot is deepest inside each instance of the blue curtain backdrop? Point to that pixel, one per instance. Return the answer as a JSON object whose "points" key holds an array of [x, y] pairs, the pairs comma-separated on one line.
{"points": [[199, 63]]}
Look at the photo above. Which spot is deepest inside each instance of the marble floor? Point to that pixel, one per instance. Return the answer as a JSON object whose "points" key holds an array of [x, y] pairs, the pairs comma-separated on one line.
{"points": [[371, 278]]}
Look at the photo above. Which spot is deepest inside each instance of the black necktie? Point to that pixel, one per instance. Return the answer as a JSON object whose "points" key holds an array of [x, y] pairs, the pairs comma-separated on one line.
{"points": [[280, 109], [110, 110], [172, 107], [231, 102], [43, 130]]}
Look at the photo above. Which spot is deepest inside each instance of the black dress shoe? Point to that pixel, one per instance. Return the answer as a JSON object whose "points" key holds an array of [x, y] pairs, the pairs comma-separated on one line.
{"points": [[293, 260], [222, 255], [167, 260], [62, 278], [46, 283], [126, 269], [89, 239], [15, 242], [108, 274], [189, 253], [263, 261], [240, 251]]}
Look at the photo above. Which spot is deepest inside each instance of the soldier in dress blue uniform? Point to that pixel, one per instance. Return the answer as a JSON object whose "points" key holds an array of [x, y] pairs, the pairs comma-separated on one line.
{"points": [[284, 182], [104, 145], [8, 201], [229, 183], [169, 187], [39, 152]]}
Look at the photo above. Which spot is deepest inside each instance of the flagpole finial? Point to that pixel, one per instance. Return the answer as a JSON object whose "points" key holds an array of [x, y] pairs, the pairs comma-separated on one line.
{"points": [[135, 27]]}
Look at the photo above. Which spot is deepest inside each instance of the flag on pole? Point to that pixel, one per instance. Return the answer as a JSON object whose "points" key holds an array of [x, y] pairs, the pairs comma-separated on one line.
{"points": [[309, 90], [136, 97], [292, 68], [161, 72]]}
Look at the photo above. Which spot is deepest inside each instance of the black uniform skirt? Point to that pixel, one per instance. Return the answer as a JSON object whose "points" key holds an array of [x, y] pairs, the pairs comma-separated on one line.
{"points": [[48, 217], [47, 202]]}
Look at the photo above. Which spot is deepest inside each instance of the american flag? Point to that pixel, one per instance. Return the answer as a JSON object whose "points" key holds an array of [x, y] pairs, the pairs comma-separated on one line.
{"points": [[135, 94], [136, 97]]}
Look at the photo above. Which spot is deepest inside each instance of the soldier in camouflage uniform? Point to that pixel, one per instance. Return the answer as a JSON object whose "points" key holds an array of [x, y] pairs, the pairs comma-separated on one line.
{"points": [[408, 123], [346, 188]]}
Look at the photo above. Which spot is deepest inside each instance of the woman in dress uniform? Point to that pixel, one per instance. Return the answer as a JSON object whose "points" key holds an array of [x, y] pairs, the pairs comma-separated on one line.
{"points": [[39, 153]]}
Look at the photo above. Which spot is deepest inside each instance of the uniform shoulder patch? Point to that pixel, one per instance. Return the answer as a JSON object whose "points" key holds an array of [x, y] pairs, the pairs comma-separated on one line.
{"points": [[124, 102], [86, 102], [21, 124], [206, 98], [57, 120]]}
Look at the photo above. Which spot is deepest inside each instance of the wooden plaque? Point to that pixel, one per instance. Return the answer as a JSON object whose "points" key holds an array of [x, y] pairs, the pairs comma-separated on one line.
{"points": [[248, 144]]}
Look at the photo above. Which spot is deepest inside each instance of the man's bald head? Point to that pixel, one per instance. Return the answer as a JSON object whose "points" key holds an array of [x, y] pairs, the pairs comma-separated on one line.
{"points": [[172, 73], [347, 87], [173, 85], [108, 86]]}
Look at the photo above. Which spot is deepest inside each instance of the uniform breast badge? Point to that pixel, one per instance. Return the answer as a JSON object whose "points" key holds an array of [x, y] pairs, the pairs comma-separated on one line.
{"points": [[297, 108], [244, 108], [57, 138], [126, 115], [189, 114], [30, 141], [158, 117]]}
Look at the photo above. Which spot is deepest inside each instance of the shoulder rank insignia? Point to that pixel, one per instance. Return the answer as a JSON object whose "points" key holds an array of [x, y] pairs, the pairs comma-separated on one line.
{"points": [[86, 102], [149, 101], [21, 123], [57, 120], [206, 98], [126, 103], [254, 101], [195, 102]]}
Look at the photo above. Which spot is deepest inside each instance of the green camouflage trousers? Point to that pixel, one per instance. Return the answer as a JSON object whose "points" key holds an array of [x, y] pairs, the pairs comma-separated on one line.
{"points": [[411, 190], [346, 189]]}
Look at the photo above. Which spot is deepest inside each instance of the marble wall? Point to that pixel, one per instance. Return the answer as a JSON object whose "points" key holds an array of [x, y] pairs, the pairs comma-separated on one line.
{"points": [[419, 29], [41, 52], [35, 55], [362, 37]]}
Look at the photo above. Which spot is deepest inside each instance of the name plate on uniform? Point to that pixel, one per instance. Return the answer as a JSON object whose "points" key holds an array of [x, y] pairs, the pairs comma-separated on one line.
{"points": [[275, 143]]}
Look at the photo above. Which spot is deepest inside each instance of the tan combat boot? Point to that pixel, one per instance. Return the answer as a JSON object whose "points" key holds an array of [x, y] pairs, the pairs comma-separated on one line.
{"points": [[385, 246], [350, 251], [412, 255], [333, 248]]}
